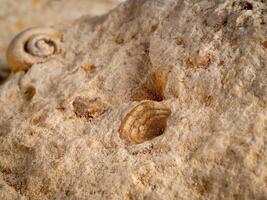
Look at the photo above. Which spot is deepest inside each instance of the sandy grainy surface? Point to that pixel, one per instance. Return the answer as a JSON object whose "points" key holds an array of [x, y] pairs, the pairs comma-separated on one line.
{"points": [[154, 100]]}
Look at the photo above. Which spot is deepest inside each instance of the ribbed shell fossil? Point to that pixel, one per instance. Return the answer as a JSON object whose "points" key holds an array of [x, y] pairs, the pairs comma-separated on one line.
{"points": [[144, 122], [34, 45]]}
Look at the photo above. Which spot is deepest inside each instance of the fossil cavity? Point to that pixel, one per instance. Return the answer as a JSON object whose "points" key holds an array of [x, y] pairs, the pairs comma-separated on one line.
{"points": [[29, 92], [88, 108], [154, 86], [144, 122], [34, 45]]}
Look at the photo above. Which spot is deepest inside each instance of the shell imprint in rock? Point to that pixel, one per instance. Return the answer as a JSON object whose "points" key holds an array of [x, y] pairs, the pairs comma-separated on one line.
{"points": [[88, 108], [154, 86], [34, 45], [144, 122]]}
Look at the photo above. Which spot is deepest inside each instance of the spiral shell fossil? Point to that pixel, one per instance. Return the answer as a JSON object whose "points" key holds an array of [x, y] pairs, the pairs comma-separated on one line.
{"points": [[144, 122], [34, 45]]}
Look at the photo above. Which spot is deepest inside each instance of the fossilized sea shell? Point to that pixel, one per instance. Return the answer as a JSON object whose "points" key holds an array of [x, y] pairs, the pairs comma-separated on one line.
{"points": [[34, 45], [144, 122], [88, 108]]}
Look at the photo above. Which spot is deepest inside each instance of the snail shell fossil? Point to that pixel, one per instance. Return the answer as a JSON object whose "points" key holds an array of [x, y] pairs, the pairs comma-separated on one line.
{"points": [[34, 45], [144, 122]]}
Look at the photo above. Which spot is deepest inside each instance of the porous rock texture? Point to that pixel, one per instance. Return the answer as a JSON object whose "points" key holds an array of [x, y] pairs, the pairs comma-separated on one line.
{"points": [[73, 127]]}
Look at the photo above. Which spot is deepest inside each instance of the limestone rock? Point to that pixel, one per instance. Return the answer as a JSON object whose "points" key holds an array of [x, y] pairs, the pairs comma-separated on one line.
{"points": [[198, 68]]}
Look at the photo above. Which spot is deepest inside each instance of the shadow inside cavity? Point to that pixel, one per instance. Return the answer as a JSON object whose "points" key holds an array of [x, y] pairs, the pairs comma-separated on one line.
{"points": [[4, 73]]}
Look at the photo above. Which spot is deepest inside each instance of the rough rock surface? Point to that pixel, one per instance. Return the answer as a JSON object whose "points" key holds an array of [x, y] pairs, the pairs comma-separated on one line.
{"points": [[73, 127]]}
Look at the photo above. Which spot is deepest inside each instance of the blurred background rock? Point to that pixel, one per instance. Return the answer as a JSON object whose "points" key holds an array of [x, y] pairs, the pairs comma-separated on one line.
{"points": [[17, 15]]}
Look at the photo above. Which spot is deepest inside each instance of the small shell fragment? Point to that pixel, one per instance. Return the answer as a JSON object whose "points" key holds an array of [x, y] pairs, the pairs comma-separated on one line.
{"points": [[88, 108]]}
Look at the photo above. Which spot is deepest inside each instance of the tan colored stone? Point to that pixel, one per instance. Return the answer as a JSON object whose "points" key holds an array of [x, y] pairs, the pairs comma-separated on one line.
{"points": [[62, 123]]}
